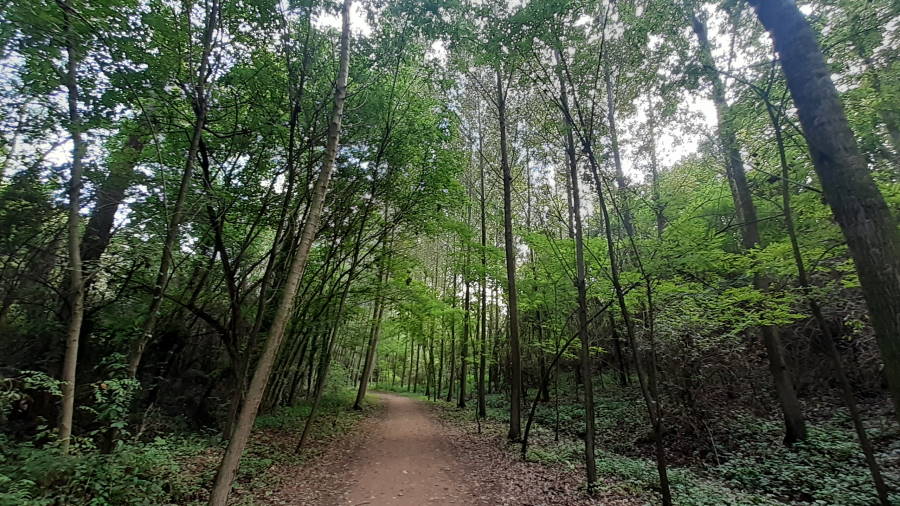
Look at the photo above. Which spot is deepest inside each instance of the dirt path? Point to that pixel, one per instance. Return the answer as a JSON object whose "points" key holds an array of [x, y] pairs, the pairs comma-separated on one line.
{"points": [[406, 454], [406, 461]]}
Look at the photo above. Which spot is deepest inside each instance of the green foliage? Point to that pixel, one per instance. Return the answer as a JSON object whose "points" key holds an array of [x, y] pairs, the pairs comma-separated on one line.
{"points": [[827, 468], [289, 417], [112, 404], [167, 470], [134, 474]]}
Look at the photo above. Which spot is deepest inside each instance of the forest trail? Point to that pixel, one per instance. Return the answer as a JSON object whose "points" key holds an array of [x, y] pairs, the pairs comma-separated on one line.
{"points": [[406, 461]]}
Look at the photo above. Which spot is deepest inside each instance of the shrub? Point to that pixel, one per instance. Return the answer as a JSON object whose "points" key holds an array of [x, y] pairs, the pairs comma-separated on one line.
{"points": [[145, 473]]}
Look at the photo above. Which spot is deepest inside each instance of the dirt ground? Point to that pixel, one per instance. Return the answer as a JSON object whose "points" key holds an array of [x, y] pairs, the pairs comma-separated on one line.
{"points": [[406, 457]]}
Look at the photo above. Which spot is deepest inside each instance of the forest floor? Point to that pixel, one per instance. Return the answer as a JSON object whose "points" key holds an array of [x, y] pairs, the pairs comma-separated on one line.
{"points": [[405, 455]]}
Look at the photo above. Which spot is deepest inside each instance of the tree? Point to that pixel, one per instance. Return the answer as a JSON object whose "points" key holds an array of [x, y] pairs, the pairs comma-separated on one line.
{"points": [[515, 355], [237, 442], [76, 280], [859, 208], [579, 281], [795, 426]]}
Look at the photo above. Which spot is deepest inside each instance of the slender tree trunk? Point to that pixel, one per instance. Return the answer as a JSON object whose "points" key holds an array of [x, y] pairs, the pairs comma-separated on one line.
{"points": [[649, 394], [452, 367], [416, 376], [482, 359], [374, 333], [544, 391], [163, 275], [76, 281], [464, 340], [858, 206], [412, 356], [795, 426], [231, 459], [556, 349], [617, 350], [826, 337], [403, 367], [325, 361], [515, 357], [621, 183], [580, 286], [429, 364], [440, 374], [658, 207]]}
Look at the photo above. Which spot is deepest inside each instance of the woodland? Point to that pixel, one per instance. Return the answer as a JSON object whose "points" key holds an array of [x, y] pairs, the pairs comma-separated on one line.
{"points": [[655, 241]]}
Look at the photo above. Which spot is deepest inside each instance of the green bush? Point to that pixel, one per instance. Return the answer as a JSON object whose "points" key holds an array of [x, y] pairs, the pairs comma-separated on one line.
{"points": [[134, 474]]}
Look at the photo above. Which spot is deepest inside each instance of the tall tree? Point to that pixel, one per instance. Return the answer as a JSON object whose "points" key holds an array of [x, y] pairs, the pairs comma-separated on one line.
{"points": [[231, 460], [515, 354], [580, 285], [76, 279], [199, 95], [859, 208], [795, 425]]}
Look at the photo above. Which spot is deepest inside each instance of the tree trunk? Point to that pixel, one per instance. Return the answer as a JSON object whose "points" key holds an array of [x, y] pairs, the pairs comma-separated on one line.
{"points": [[482, 359], [325, 361], [617, 350], [858, 206], [98, 231], [579, 281], [795, 426], [464, 340], [651, 399], [76, 281], [374, 333], [621, 183], [231, 459], [659, 209], [416, 376], [826, 338], [440, 373], [452, 367], [515, 366], [173, 230]]}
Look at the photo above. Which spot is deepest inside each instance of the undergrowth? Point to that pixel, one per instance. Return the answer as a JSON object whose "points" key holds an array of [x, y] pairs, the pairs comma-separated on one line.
{"points": [[827, 469], [175, 469]]}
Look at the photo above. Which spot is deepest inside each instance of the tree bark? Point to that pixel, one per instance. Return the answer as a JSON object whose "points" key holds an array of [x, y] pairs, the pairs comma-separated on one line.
{"points": [[826, 337], [374, 333], [163, 275], [482, 359], [464, 340], [452, 367], [580, 286], [651, 399], [795, 425], [621, 183], [659, 209], [98, 231]]}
